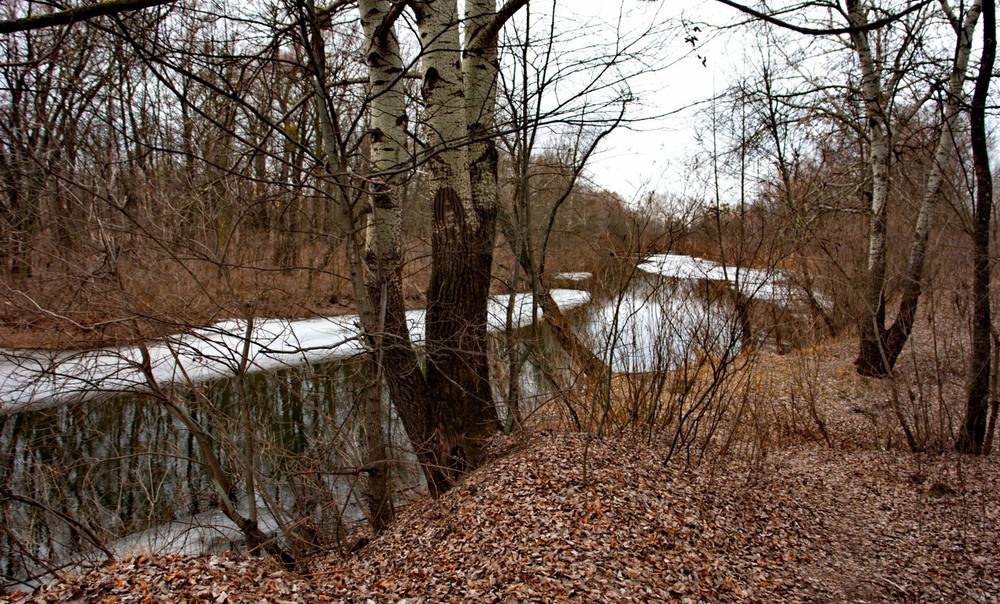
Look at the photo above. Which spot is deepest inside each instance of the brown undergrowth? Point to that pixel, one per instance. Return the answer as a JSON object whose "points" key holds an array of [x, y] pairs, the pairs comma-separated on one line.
{"points": [[817, 498]]}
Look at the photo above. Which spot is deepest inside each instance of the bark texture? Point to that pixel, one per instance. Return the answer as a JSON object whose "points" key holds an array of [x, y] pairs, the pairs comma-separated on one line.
{"points": [[972, 438], [463, 224], [881, 346], [383, 249]]}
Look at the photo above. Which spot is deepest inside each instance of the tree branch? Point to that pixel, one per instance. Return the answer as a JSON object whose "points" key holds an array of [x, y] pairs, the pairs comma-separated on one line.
{"points": [[395, 12], [74, 15], [812, 31], [508, 10]]}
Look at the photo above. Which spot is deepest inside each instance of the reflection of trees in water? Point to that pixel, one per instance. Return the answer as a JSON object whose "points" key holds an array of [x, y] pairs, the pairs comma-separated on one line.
{"points": [[659, 324], [127, 465], [119, 466]]}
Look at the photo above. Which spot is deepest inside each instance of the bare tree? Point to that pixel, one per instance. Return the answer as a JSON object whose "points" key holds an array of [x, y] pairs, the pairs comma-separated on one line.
{"points": [[69, 16], [452, 410], [974, 435], [883, 74], [881, 346]]}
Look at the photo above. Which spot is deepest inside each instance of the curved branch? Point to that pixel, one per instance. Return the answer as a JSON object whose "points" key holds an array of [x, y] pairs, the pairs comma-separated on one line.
{"points": [[812, 31], [389, 22], [70, 16], [508, 10], [6, 493]]}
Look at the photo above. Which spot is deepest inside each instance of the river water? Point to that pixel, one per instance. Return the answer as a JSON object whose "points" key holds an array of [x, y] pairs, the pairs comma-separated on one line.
{"points": [[92, 453]]}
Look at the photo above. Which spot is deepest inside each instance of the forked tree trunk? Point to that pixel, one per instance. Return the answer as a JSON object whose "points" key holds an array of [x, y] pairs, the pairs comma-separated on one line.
{"points": [[880, 347], [449, 413], [973, 437], [383, 248]]}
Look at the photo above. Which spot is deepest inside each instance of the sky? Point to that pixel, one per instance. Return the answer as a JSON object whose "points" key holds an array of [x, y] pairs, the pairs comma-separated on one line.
{"points": [[669, 74], [674, 91], [651, 155]]}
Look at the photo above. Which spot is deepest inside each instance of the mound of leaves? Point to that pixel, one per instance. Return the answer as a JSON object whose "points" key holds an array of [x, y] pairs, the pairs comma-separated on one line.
{"points": [[569, 517]]}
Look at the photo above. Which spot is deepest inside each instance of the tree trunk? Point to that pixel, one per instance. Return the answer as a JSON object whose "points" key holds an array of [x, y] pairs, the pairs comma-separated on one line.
{"points": [[379, 482], [973, 435], [449, 413], [881, 347], [383, 255], [463, 233], [377, 278], [870, 358]]}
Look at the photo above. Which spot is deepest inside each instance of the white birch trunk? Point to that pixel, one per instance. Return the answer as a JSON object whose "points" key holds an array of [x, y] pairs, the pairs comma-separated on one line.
{"points": [[480, 69], [880, 142], [880, 347], [387, 139], [387, 136], [953, 107], [445, 114]]}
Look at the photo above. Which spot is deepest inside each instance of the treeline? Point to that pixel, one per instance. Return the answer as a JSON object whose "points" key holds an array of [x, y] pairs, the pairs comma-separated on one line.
{"points": [[165, 169]]}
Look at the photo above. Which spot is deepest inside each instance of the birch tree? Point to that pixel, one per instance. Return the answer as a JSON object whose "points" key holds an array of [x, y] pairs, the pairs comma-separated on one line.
{"points": [[387, 134], [880, 346], [462, 235], [448, 412], [882, 74]]}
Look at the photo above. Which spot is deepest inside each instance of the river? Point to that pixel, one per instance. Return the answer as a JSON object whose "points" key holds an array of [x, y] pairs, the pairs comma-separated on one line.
{"points": [[90, 451]]}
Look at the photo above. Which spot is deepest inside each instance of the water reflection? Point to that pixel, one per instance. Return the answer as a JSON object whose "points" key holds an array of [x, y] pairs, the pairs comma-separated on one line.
{"points": [[126, 470], [129, 467], [128, 473], [659, 324]]}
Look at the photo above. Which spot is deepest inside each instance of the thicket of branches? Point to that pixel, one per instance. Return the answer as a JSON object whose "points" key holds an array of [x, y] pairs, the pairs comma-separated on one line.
{"points": [[167, 168], [163, 169]]}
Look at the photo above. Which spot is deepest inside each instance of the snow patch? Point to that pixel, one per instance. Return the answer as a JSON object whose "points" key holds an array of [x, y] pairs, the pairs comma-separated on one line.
{"points": [[38, 379], [773, 285], [573, 277]]}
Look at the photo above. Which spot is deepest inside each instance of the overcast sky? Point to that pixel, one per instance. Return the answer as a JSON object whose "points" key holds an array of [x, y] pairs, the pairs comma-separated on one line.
{"points": [[654, 155], [651, 155]]}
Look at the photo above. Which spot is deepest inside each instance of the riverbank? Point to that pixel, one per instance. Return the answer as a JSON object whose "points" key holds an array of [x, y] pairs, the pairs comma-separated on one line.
{"points": [[36, 379], [810, 525], [789, 517]]}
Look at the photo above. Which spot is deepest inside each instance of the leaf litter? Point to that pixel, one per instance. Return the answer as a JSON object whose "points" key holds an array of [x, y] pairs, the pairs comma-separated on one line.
{"points": [[568, 517]]}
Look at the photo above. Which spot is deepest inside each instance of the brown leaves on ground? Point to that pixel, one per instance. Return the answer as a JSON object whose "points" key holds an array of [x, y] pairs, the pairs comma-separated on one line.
{"points": [[566, 517], [809, 525], [812, 525], [218, 579]]}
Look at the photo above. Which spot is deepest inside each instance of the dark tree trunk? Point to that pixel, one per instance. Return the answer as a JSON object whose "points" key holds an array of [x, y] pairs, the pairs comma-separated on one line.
{"points": [[871, 360], [881, 347], [410, 392], [973, 432], [457, 367], [379, 482]]}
